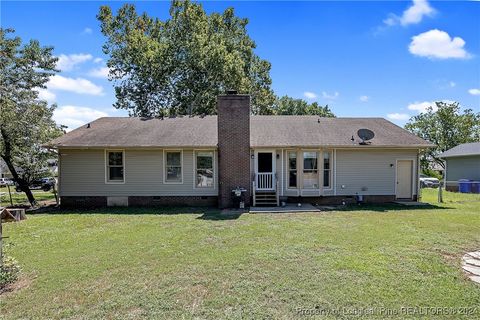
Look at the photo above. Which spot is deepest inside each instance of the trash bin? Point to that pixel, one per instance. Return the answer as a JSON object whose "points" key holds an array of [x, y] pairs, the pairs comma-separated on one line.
{"points": [[238, 197], [475, 186], [464, 186]]}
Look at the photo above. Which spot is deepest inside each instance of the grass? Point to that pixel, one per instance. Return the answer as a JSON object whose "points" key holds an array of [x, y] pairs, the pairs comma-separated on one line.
{"points": [[20, 199], [431, 196], [182, 263]]}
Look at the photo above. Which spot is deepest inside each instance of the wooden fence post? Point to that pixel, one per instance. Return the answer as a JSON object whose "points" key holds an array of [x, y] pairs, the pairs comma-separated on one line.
{"points": [[1, 241], [10, 194]]}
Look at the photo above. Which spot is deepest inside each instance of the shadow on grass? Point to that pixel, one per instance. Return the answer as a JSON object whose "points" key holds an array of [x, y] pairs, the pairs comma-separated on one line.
{"points": [[214, 214], [387, 207], [127, 210], [217, 216]]}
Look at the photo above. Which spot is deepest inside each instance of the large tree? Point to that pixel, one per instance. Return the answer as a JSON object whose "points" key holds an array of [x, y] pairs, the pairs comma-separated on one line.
{"points": [[180, 65], [25, 120], [290, 106], [446, 127]]}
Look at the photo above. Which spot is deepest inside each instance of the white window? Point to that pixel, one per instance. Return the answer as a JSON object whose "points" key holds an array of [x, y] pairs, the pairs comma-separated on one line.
{"points": [[115, 166], [204, 171], [327, 169], [173, 166], [292, 169], [310, 170]]}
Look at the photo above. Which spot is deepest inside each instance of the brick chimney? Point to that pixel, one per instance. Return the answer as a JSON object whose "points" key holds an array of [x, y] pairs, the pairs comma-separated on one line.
{"points": [[233, 146]]}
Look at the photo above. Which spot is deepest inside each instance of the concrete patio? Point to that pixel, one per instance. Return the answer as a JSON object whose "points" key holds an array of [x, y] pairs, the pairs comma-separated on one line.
{"points": [[471, 265]]}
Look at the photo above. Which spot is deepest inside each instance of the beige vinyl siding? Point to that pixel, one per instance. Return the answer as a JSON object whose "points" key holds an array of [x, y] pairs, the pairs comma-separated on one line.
{"points": [[82, 173], [370, 169], [462, 168]]}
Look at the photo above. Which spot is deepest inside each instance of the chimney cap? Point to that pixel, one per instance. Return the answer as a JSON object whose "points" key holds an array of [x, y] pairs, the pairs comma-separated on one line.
{"points": [[231, 91]]}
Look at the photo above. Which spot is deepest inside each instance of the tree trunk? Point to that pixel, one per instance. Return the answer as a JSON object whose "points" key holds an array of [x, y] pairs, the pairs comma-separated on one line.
{"points": [[22, 184], [7, 157]]}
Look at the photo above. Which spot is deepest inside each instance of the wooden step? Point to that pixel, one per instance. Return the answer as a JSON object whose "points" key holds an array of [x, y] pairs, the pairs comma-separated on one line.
{"points": [[266, 197]]}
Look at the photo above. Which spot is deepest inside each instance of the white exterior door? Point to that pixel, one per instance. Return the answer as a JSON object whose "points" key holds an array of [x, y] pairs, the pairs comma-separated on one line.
{"points": [[265, 170], [404, 179]]}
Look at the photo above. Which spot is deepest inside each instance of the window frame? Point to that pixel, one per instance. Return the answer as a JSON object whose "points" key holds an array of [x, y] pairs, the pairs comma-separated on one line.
{"points": [[303, 151], [165, 152], [195, 152], [330, 175], [107, 166], [288, 169]]}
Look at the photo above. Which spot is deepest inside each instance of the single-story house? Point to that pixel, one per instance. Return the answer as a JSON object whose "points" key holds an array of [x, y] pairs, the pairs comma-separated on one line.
{"points": [[199, 160], [462, 162]]}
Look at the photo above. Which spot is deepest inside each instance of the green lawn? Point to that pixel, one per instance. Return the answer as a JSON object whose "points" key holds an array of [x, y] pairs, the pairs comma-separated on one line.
{"points": [[134, 263], [19, 198]]}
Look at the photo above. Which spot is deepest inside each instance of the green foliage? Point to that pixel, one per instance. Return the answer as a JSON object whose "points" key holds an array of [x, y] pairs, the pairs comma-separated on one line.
{"points": [[432, 173], [180, 65], [446, 128], [9, 271], [290, 106], [25, 120]]}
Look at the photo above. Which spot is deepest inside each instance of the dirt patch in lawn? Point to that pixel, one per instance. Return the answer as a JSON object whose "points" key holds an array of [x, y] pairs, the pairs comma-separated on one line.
{"points": [[22, 283]]}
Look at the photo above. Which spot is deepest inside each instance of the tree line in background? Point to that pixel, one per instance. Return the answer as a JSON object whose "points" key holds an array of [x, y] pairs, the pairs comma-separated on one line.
{"points": [[446, 127], [168, 68], [179, 66]]}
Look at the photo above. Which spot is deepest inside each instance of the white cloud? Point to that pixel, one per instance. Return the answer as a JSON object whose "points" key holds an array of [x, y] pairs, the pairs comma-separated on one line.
{"points": [[413, 15], [452, 84], [74, 116], [422, 107], [398, 116], [103, 73], [310, 95], [87, 31], [78, 85], [438, 44], [330, 96], [68, 62], [364, 98], [416, 12], [98, 60], [45, 94], [474, 92]]}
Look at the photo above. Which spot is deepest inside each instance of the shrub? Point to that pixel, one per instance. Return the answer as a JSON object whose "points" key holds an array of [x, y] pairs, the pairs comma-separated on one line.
{"points": [[9, 271], [432, 173]]}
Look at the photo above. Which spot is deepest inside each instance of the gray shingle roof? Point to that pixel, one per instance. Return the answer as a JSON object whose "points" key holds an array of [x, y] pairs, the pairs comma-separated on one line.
{"points": [[265, 131], [466, 149]]}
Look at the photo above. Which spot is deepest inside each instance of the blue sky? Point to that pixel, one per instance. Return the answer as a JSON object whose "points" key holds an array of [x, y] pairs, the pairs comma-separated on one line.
{"points": [[385, 59]]}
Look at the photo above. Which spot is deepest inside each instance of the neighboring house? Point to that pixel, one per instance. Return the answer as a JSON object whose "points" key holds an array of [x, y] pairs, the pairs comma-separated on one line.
{"points": [[437, 167], [462, 162], [200, 160], [4, 172]]}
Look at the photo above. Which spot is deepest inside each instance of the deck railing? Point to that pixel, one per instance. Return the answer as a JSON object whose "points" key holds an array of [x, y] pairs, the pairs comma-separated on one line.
{"points": [[265, 181]]}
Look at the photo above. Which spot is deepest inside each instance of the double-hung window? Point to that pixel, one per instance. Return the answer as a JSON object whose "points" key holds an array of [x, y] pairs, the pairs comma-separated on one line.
{"points": [[115, 166], [327, 169], [204, 171], [310, 170], [292, 169], [173, 166]]}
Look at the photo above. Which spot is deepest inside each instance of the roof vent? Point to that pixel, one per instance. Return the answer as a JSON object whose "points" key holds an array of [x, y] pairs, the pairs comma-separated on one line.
{"points": [[231, 92], [365, 135]]}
